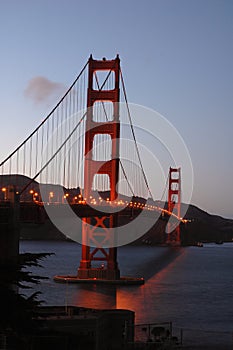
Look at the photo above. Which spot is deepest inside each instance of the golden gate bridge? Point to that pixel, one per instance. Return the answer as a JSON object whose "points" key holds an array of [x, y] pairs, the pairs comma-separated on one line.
{"points": [[85, 155]]}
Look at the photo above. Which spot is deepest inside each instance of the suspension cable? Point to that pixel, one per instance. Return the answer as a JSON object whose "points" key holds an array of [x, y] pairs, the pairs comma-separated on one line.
{"points": [[165, 187], [42, 123], [134, 136], [55, 154]]}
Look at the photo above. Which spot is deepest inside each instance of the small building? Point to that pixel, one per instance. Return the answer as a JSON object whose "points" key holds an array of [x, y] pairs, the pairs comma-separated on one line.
{"points": [[81, 328]]}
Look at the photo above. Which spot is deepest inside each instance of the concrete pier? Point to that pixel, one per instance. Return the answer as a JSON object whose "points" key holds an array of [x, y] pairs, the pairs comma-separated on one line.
{"points": [[120, 281]]}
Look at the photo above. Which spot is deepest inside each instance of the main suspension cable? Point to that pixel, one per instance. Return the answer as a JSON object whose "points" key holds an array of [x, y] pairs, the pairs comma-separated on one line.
{"points": [[134, 136]]}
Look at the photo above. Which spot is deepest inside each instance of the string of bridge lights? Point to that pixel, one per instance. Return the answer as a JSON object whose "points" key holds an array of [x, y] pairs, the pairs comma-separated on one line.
{"points": [[34, 196]]}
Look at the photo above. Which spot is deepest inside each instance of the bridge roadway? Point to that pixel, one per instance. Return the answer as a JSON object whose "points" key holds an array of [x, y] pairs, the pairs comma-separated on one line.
{"points": [[36, 211]]}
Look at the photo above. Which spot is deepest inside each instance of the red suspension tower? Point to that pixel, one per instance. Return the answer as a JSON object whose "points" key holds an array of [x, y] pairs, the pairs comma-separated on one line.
{"points": [[174, 206], [95, 230]]}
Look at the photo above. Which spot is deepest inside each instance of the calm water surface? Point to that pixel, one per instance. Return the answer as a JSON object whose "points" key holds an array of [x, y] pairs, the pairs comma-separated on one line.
{"points": [[192, 287]]}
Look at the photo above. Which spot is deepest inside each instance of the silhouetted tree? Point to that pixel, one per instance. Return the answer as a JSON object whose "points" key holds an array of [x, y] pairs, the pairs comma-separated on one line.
{"points": [[17, 310]]}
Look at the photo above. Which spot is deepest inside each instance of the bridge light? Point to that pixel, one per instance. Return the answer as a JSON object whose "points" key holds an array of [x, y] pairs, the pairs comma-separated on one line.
{"points": [[35, 197], [51, 195], [32, 194], [4, 191]]}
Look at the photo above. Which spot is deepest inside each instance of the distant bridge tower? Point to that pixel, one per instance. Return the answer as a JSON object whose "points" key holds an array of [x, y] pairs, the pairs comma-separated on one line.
{"points": [[95, 231], [174, 206]]}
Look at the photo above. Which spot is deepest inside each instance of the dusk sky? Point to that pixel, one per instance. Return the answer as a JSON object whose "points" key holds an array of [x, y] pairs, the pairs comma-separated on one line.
{"points": [[176, 57]]}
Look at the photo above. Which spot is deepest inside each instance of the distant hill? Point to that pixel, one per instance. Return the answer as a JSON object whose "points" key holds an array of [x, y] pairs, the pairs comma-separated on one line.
{"points": [[206, 227]]}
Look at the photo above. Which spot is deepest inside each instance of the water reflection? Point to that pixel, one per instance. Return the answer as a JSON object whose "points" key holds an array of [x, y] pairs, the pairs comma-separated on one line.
{"points": [[135, 298], [95, 296], [145, 299]]}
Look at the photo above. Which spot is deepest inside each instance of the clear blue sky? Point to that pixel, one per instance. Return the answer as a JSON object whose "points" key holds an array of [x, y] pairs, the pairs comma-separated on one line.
{"points": [[177, 58]]}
